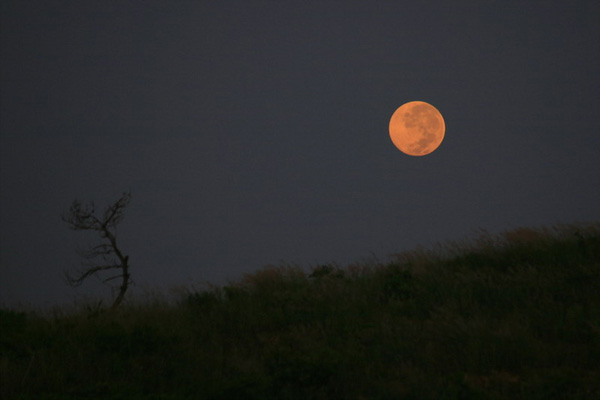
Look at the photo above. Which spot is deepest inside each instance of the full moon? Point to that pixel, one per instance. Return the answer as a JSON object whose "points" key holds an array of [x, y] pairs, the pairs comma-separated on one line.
{"points": [[417, 128]]}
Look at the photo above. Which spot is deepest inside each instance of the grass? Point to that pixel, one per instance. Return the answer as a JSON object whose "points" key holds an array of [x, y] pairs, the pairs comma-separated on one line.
{"points": [[515, 316]]}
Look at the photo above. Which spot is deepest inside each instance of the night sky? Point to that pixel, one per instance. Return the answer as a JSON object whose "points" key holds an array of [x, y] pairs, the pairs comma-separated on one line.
{"points": [[252, 133]]}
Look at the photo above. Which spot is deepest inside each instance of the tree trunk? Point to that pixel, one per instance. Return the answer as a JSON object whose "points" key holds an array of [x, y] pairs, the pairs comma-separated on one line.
{"points": [[124, 268], [123, 288]]}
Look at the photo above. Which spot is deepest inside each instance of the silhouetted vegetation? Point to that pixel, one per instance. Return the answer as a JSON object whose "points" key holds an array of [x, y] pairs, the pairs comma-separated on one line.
{"points": [[106, 256], [513, 316]]}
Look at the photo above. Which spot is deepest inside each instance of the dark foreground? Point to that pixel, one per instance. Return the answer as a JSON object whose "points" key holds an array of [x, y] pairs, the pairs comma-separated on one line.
{"points": [[515, 316]]}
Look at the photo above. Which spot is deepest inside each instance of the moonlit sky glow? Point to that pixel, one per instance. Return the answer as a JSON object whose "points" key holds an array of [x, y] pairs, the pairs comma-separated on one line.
{"points": [[256, 132]]}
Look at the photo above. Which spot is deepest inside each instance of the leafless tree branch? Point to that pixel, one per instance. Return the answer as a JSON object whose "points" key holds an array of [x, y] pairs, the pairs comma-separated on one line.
{"points": [[78, 280], [112, 277], [82, 217]]}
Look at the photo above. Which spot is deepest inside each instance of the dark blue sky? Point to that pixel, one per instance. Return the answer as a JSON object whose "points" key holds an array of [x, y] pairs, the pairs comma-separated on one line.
{"points": [[256, 132]]}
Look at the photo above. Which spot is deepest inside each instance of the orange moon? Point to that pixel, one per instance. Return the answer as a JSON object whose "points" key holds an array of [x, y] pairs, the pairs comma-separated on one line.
{"points": [[417, 128]]}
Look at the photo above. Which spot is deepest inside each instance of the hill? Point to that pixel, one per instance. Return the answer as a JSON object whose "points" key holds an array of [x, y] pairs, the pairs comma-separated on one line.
{"points": [[516, 315]]}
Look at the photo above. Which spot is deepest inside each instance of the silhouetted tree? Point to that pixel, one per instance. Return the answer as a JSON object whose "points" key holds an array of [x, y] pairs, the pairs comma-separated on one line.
{"points": [[106, 256]]}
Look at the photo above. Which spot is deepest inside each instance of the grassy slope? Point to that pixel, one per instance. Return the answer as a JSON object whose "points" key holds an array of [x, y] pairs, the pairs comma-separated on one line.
{"points": [[512, 316]]}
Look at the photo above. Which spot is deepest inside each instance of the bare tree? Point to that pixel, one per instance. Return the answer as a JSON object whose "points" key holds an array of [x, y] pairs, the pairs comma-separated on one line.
{"points": [[106, 256]]}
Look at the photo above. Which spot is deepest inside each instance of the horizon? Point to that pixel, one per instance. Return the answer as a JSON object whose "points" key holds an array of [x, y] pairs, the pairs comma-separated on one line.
{"points": [[478, 242]]}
